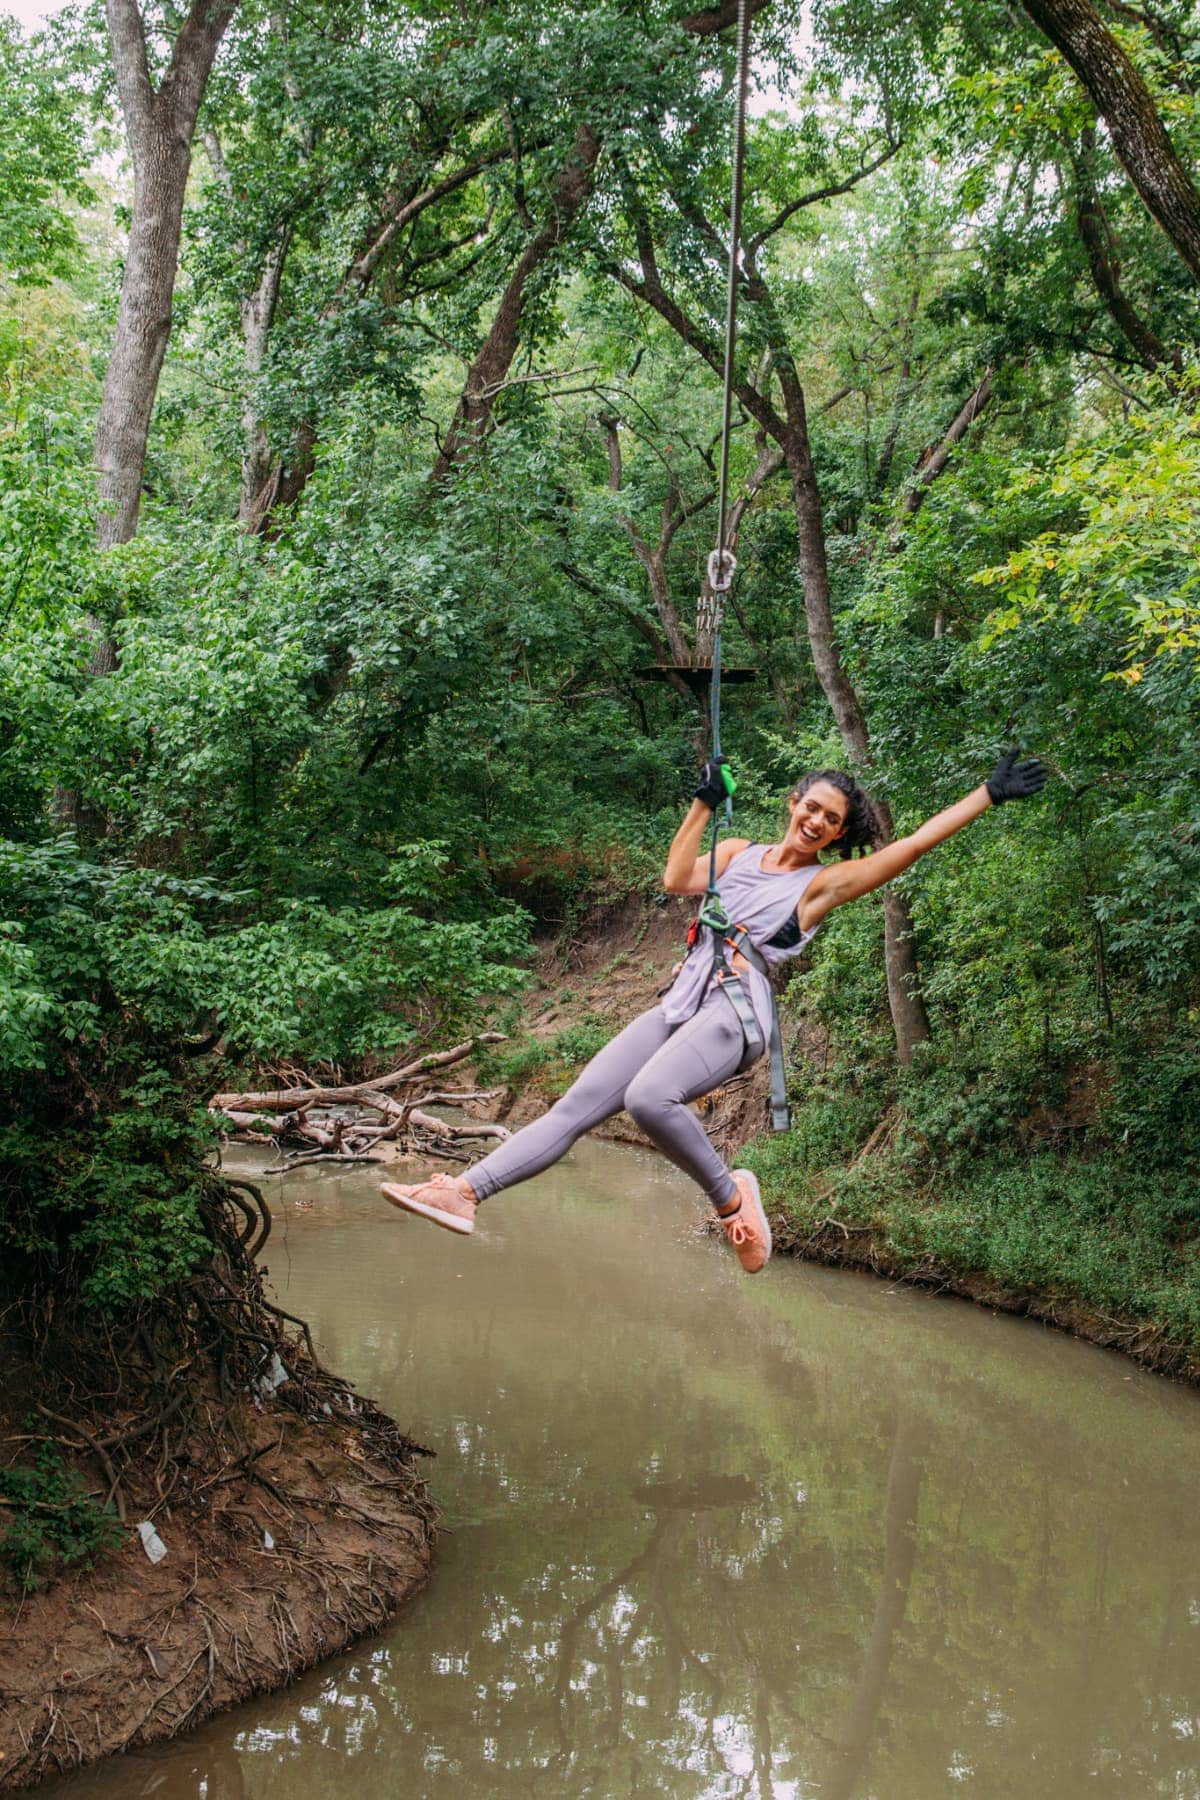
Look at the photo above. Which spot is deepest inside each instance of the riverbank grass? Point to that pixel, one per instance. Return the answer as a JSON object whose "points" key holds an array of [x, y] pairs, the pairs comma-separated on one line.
{"points": [[1065, 1233]]}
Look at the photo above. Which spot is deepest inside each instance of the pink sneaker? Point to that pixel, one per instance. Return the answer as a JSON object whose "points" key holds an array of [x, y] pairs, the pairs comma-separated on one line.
{"points": [[747, 1228], [440, 1198]]}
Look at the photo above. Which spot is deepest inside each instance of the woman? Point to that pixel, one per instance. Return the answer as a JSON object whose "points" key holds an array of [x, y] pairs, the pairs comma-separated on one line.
{"points": [[696, 1039]]}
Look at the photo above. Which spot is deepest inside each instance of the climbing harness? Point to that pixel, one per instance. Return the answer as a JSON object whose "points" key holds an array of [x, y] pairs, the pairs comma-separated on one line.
{"points": [[730, 939]]}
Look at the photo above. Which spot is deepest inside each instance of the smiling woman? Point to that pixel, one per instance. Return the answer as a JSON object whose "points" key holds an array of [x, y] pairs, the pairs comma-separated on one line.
{"points": [[718, 1014]]}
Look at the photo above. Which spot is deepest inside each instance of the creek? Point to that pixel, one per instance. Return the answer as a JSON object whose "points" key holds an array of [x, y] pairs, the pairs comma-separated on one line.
{"points": [[804, 1535]]}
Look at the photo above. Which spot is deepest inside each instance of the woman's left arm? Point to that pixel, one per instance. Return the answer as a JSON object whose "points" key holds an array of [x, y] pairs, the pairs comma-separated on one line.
{"points": [[841, 882]]}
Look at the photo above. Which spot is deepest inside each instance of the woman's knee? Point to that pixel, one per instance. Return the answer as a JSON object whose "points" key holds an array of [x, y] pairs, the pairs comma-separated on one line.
{"points": [[645, 1101]]}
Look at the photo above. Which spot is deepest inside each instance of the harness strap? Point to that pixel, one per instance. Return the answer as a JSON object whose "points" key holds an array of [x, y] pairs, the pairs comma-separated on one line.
{"points": [[781, 1117], [729, 983]]}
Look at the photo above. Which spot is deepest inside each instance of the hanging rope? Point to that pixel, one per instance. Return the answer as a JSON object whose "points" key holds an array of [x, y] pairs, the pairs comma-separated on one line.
{"points": [[722, 564]]}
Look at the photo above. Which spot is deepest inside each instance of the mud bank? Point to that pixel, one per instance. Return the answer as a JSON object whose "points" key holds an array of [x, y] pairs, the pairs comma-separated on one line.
{"points": [[320, 1534], [850, 1247]]}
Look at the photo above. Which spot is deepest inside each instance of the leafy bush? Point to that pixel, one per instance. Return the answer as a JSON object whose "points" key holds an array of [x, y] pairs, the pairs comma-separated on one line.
{"points": [[578, 1043], [49, 1520]]}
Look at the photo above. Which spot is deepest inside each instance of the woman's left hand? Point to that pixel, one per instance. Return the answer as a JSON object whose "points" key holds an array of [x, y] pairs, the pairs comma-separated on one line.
{"points": [[716, 782], [1013, 780]]}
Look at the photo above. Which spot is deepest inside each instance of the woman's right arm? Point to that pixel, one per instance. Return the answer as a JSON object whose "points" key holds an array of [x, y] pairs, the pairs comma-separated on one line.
{"points": [[687, 871]]}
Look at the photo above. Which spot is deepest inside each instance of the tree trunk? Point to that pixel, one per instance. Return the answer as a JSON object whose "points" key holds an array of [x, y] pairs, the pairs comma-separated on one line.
{"points": [[910, 1021], [789, 431], [487, 373], [1097, 239], [160, 125], [258, 316], [1127, 107], [143, 327]]}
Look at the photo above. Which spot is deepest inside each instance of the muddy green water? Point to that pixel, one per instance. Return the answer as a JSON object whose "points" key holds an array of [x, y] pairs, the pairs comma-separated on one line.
{"points": [[805, 1535]]}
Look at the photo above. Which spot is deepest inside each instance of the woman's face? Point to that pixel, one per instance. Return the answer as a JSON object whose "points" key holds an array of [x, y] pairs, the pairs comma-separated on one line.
{"points": [[818, 816]]}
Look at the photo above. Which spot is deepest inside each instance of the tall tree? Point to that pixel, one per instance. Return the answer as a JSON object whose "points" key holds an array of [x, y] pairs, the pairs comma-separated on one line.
{"points": [[160, 123], [1125, 103], [786, 424]]}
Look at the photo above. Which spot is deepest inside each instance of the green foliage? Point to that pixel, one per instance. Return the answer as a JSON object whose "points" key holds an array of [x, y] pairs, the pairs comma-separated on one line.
{"points": [[1131, 551], [49, 1521], [984, 1172], [110, 972], [551, 1063], [577, 1044], [41, 157]]}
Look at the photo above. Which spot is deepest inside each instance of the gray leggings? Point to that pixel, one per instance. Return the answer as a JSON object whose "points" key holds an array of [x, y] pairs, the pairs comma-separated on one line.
{"points": [[652, 1070]]}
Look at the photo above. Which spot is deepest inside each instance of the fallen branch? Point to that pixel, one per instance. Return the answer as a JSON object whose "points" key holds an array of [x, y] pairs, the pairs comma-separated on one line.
{"points": [[442, 1128], [341, 1136], [316, 1156], [294, 1099]]}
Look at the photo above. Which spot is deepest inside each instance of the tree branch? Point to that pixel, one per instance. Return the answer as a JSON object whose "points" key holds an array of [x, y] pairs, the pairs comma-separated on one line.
{"points": [[755, 244], [131, 68], [719, 17], [1096, 236], [1126, 105], [195, 45], [397, 211], [572, 185], [957, 430]]}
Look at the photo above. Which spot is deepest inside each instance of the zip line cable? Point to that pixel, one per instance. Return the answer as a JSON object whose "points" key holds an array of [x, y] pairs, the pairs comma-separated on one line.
{"points": [[722, 564], [722, 567]]}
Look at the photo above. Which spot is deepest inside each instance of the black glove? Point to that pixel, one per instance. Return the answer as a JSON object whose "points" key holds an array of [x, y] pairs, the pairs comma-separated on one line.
{"points": [[1013, 780], [712, 791]]}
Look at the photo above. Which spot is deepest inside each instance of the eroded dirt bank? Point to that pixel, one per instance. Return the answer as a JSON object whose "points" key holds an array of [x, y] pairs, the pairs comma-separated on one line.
{"points": [[263, 1576], [195, 1509]]}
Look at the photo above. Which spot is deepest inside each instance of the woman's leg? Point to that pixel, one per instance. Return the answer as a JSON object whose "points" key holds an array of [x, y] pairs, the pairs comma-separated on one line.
{"points": [[698, 1057], [597, 1094]]}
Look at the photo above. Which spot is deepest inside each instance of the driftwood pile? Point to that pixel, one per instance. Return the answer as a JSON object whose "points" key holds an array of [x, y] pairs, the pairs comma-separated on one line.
{"points": [[376, 1120]]}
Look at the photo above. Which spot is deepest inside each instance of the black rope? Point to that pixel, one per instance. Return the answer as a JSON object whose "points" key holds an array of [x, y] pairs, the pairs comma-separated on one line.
{"points": [[722, 564]]}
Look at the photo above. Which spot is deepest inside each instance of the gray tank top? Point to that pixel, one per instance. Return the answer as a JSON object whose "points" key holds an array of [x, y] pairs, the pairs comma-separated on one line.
{"points": [[763, 900]]}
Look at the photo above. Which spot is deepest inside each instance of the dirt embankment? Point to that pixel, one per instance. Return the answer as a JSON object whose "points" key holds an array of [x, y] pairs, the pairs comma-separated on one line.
{"points": [[261, 1578], [611, 967], [290, 1509]]}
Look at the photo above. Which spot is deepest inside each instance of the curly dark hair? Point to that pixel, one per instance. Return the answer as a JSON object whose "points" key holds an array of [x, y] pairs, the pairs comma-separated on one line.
{"points": [[864, 827]]}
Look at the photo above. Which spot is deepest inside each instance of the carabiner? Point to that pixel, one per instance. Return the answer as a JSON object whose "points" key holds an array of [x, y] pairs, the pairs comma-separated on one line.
{"points": [[712, 913]]}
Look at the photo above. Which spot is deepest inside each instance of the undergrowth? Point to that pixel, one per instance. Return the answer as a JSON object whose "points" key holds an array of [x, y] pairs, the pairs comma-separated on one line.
{"points": [[1076, 1185], [550, 1062], [49, 1519]]}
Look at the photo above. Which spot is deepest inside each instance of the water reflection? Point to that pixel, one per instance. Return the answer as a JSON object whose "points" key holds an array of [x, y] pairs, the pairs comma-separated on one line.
{"points": [[804, 1537]]}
